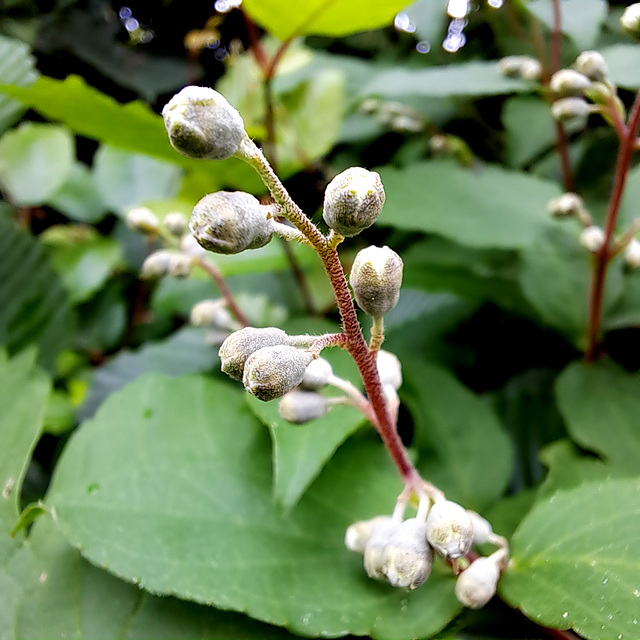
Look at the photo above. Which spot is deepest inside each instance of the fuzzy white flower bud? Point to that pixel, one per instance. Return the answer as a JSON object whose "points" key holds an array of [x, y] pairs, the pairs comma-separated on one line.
{"points": [[358, 534], [449, 529], [299, 406], [632, 253], [570, 108], [520, 67], [567, 205], [271, 372], [630, 19], [592, 65], [317, 375], [477, 584], [592, 238], [389, 369], [408, 557], [156, 265], [482, 529], [531, 69], [375, 550], [376, 278], [210, 313], [353, 201], [175, 223], [180, 265], [230, 222], [235, 350], [568, 82], [202, 124], [143, 219]]}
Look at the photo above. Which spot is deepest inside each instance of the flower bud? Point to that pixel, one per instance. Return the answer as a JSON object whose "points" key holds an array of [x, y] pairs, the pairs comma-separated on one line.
{"points": [[299, 406], [376, 278], [230, 222], [271, 372], [449, 529], [531, 69], [477, 584], [189, 245], [592, 65], [568, 82], [353, 201], [375, 550], [202, 124], [143, 219], [482, 529], [317, 375], [408, 556], [358, 534], [630, 19], [175, 223], [210, 313], [520, 67], [567, 205], [632, 253], [570, 108], [592, 238], [180, 265], [235, 350], [389, 369], [156, 265]]}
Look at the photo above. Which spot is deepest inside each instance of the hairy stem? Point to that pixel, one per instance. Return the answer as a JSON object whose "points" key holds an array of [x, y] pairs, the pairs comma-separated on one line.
{"points": [[602, 258], [377, 335]]}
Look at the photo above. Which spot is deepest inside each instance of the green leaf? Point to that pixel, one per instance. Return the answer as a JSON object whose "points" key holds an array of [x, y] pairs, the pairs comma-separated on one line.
{"points": [[592, 397], [622, 61], [581, 20], [483, 207], [23, 394], [574, 561], [17, 66], [185, 351], [35, 308], [195, 517], [461, 80], [628, 206], [287, 18], [78, 197], [464, 450], [556, 276], [35, 160], [125, 180]]}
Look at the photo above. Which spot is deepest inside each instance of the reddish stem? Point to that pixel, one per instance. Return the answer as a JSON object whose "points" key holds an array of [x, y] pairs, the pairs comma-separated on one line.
{"points": [[602, 258], [556, 38]]}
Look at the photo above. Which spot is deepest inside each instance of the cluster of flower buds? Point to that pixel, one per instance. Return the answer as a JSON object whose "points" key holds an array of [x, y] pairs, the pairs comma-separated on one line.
{"points": [[523, 67], [401, 552]]}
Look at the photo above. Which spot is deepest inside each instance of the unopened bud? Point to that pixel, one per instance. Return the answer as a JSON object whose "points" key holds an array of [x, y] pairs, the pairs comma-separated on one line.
{"points": [[271, 372], [175, 223], [375, 550], [210, 313], [566, 206], [630, 19], [531, 69], [230, 222], [180, 265], [389, 369], [592, 238], [358, 534], [520, 67], [408, 556], [376, 278], [202, 124], [482, 529], [235, 350], [299, 406], [632, 253], [592, 65], [156, 265], [477, 584], [568, 82], [570, 108], [317, 375], [143, 219], [353, 201], [449, 529]]}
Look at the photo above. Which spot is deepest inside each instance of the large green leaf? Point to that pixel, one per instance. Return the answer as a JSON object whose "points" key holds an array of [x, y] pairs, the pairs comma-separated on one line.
{"points": [[288, 18], [35, 308], [484, 207], [574, 561], [78, 197], [35, 161], [463, 448], [623, 61], [193, 514], [16, 67], [601, 406], [465, 79]]}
